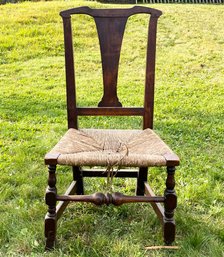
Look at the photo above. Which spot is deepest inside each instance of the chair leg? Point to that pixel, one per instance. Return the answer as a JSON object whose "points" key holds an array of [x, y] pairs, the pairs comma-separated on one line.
{"points": [[169, 206], [77, 176], [50, 218], [142, 178]]}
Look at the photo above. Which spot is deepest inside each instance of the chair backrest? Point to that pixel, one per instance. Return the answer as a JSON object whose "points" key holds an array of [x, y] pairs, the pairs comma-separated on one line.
{"points": [[110, 25]]}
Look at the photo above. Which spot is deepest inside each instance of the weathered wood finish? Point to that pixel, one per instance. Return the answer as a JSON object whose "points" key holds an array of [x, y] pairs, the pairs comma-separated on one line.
{"points": [[109, 111], [110, 32], [159, 210], [117, 174], [150, 74], [169, 207], [115, 198], [142, 178], [70, 74], [51, 217], [124, 12], [61, 206], [78, 177], [110, 25]]}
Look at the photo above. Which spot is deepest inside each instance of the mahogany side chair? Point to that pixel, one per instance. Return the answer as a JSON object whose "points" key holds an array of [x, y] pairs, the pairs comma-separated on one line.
{"points": [[107, 148]]}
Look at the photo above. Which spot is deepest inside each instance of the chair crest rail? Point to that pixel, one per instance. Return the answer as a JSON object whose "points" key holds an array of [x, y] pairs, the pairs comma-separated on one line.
{"points": [[109, 12]]}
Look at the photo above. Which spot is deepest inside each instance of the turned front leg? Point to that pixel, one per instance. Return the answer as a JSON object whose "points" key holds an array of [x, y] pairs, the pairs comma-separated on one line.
{"points": [[170, 204], [50, 218]]}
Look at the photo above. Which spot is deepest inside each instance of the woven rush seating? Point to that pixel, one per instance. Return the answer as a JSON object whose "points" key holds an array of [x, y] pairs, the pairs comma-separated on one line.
{"points": [[90, 147], [110, 153]]}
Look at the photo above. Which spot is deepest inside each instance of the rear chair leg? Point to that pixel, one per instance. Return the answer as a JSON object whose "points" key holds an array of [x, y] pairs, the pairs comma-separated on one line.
{"points": [[170, 204], [142, 178], [50, 218], [77, 176]]}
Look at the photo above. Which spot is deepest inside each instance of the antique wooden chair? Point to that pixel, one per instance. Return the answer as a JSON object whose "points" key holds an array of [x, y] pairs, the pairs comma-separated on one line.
{"points": [[110, 147]]}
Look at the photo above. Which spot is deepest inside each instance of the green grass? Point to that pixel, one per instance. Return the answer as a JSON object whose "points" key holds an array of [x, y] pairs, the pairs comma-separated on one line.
{"points": [[188, 115]]}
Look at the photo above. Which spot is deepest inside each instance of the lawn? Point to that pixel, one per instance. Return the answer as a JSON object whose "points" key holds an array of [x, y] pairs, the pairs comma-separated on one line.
{"points": [[189, 116]]}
